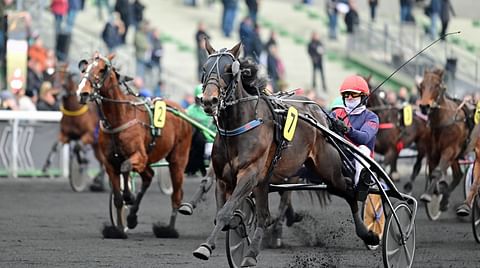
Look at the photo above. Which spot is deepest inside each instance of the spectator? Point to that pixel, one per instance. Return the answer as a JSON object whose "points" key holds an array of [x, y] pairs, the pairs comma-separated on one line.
{"points": [[252, 9], [142, 49], [352, 21], [157, 52], [406, 11], [142, 90], [187, 100], [59, 9], [37, 52], [34, 76], [373, 9], [273, 64], [316, 50], [159, 89], [48, 100], [230, 8], [272, 41], [24, 102], [101, 5], [257, 44], [391, 98], [247, 36], [332, 18], [402, 96], [202, 54], [8, 101], [112, 32], [123, 8], [433, 11], [445, 10], [73, 7], [137, 13]]}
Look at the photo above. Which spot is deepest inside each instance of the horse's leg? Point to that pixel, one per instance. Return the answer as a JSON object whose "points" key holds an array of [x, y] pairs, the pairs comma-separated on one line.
{"points": [[147, 176], [263, 220], [136, 162], [432, 177], [187, 208], [50, 155], [115, 231], [457, 177], [416, 170], [393, 167], [390, 160], [224, 215]]}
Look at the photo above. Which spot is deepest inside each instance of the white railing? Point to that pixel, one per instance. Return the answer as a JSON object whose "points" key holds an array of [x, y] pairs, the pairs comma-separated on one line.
{"points": [[14, 117]]}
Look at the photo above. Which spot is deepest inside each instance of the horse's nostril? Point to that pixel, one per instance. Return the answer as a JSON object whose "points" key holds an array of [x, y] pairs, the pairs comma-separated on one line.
{"points": [[214, 101]]}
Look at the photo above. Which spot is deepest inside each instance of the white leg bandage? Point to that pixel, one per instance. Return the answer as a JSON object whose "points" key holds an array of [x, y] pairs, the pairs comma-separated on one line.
{"points": [[358, 166]]}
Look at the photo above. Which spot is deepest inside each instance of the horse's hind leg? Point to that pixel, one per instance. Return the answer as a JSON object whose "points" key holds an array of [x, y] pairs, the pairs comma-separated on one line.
{"points": [[457, 177], [187, 208], [48, 162], [416, 170], [147, 176]]}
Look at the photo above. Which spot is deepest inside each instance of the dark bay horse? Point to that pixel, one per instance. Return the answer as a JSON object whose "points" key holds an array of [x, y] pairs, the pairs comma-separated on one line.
{"points": [[128, 143], [79, 121], [449, 133], [249, 161], [393, 135]]}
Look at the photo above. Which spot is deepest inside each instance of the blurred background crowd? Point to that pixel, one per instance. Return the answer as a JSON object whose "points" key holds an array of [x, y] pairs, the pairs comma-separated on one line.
{"points": [[123, 27]]}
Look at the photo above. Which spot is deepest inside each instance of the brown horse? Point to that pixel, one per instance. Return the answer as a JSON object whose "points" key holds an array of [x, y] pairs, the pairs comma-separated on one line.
{"points": [[449, 133], [79, 121], [393, 135], [128, 142], [247, 155]]}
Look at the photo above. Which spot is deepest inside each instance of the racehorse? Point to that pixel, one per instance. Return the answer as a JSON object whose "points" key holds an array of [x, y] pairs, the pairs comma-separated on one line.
{"points": [[393, 135], [248, 153], [79, 121], [449, 133], [128, 143]]}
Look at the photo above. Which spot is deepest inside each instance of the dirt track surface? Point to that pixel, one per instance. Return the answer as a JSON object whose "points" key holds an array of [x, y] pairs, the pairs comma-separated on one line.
{"points": [[44, 224]]}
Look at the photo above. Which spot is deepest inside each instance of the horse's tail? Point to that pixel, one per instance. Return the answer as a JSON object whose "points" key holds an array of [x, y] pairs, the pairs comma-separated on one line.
{"points": [[320, 196], [474, 135]]}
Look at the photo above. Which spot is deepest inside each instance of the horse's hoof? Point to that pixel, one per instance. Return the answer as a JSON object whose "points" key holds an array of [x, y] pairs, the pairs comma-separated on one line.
{"points": [[249, 262], [164, 231], [372, 239], [442, 186], [113, 232], [444, 204], [203, 252], [408, 187], [463, 210], [427, 198], [185, 209], [296, 218], [132, 221]]}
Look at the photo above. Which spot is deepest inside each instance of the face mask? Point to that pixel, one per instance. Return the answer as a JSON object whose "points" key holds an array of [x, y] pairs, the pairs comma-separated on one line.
{"points": [[352, 103]]}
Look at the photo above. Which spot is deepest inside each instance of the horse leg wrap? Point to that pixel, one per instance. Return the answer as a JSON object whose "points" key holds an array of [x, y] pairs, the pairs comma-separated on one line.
{"points": [[126, 166]]}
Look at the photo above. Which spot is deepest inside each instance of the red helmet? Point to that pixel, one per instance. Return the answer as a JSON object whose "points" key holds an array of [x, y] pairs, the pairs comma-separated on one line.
{"points": [[355, 83]]}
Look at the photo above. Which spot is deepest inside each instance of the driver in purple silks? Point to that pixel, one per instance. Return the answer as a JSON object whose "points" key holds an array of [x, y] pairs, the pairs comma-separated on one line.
{"points": [[355, 121]]}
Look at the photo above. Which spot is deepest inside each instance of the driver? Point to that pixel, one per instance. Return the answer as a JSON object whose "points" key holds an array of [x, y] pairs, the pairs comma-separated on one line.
{"points": [[358, 124]]}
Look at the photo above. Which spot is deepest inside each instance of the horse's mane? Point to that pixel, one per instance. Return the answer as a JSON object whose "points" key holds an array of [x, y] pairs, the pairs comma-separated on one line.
{"points": [[253, 79]]}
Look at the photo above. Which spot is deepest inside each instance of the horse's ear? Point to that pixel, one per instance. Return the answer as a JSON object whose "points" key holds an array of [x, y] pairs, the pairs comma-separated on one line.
{"points": [[82, 65], [236, 50], [111, 56], [439, 72], [208, 47]]}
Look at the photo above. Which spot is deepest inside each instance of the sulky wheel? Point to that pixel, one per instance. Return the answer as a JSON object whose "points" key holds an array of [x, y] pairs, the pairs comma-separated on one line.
{"points": [[433, 207], [476, 217], [398, 250], [373, 216], [78, 170], [114, 219], [238, 240]]}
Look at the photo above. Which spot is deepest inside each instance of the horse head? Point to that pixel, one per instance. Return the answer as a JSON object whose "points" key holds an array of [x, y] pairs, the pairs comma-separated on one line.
{"points": [[63, 81], [431, 90], [219, 76], [97, 75]]}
